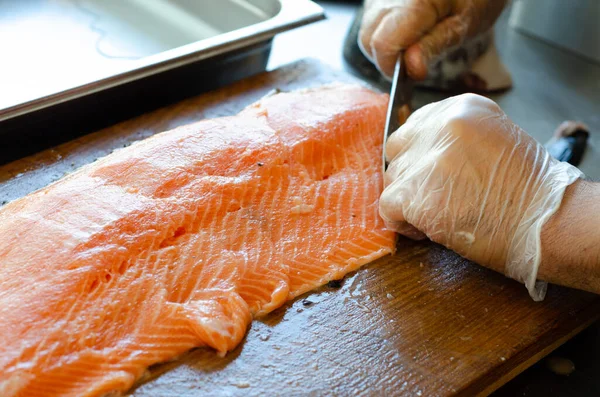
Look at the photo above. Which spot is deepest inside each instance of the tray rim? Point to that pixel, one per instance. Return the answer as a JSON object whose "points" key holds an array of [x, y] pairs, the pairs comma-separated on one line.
{"points": [[292, 14]]}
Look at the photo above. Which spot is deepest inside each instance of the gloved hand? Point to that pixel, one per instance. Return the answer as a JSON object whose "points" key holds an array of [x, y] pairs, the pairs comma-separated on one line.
{"points": [[464, 175], [426, 29]]}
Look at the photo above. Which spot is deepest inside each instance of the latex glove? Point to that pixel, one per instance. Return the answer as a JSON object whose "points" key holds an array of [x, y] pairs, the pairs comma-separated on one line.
{"points": [[426, 29], [467, 177]]}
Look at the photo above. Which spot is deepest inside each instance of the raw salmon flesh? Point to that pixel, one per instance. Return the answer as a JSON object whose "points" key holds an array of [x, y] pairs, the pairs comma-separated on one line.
{"points": [[178, 241]]}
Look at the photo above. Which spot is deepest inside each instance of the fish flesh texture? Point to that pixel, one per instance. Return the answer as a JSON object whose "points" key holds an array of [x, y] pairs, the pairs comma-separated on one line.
{"points": [[180, 240]]}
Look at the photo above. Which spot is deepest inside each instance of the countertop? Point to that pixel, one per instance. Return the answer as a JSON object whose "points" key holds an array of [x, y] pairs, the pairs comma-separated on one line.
{"points": [[551, 85]]}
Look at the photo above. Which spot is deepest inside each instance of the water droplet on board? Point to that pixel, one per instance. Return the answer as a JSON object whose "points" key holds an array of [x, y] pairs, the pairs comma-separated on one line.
{"points": [[242, 385], [264, 337]]}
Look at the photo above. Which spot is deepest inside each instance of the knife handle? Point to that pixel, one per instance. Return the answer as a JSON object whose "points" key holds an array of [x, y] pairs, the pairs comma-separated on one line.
{"points": [[569, 142]]}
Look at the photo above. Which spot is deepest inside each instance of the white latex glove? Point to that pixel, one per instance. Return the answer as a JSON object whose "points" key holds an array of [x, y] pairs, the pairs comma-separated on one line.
{"points": [[426, 29], [467, 177]]}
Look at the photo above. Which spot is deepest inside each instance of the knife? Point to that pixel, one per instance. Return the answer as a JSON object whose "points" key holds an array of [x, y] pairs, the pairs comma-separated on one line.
{"points": [[400, 95]]}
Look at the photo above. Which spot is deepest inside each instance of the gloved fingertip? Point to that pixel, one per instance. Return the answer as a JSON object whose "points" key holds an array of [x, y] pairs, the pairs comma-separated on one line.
{"points": [[416, 64], [415, 235], [407, 230], [362, 41]]}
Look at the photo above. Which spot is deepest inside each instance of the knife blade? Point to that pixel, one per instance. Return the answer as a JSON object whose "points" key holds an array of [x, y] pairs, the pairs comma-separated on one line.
{"points": [[400, 95]]}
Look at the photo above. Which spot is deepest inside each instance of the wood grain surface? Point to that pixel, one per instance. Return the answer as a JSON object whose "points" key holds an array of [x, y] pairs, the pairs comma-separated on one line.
{"points": [[423, 322]]}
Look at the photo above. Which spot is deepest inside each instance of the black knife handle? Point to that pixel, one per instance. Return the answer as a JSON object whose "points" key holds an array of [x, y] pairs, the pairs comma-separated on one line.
{"points": [[569, 143]]}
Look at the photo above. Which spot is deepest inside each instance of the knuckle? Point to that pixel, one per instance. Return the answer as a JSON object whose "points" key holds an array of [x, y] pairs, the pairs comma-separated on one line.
{"points": [[459, 125], [459, 29], [382, 45], [464, 114], [471, 99], [478, 101]]}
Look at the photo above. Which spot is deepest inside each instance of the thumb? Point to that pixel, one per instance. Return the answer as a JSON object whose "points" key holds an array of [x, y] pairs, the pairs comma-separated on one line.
{"points": [[407, 230], [447, 34]]}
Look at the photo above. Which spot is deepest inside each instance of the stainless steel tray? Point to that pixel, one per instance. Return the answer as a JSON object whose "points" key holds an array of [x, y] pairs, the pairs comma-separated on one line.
{"points": [[71, 66]]}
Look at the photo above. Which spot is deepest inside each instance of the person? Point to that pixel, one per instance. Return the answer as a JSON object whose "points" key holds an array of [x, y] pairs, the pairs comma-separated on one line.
{"points": [[462, 174]]}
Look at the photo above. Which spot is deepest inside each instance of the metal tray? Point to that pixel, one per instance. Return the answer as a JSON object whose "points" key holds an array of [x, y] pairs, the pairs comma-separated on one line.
{"points": [[73, 66]]}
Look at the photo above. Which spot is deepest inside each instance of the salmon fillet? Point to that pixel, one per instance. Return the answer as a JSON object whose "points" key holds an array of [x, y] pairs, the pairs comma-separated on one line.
{"points": [[178, 241]]}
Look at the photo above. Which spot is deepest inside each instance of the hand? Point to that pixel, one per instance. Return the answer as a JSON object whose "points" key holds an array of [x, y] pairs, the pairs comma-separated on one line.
{"points": [[426, 29], [467, 177]]}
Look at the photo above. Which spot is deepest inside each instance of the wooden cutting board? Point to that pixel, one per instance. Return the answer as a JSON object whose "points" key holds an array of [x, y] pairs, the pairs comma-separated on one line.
{"points": [[423, 322]]}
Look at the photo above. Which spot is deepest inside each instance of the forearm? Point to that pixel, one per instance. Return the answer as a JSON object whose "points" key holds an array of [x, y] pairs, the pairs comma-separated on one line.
{"points": [[571, 240]]}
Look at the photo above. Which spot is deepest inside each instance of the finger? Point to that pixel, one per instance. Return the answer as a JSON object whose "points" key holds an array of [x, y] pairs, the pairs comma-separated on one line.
{"points": [[400, 140], [370, 21], [397, 144], [407, 230], [396, 168], [416, 67], [447, 34], [399, 29], [390, 209], [391, 204]]}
